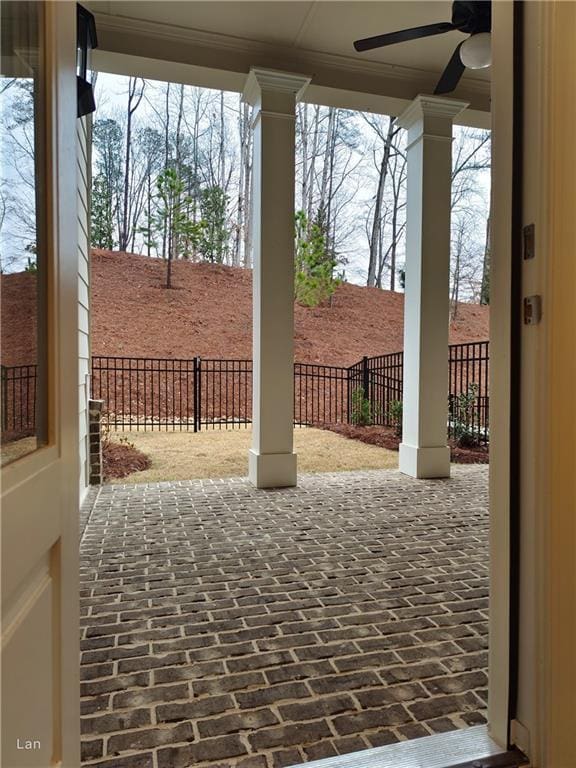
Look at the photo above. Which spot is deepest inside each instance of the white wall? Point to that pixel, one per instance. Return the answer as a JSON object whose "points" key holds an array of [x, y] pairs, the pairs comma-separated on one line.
{"points": [[83, 176]]}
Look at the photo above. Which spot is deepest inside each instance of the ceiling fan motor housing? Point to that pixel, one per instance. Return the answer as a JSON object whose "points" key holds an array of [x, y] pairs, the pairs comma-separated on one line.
{"points": [[472, 16]]}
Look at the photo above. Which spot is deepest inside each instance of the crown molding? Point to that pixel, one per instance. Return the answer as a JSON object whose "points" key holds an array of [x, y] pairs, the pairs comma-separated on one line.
{"points": [[274, 80], [431, 106]]}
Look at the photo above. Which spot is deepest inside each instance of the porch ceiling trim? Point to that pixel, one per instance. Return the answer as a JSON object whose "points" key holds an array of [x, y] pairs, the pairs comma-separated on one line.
{"points": [[160, 51]]}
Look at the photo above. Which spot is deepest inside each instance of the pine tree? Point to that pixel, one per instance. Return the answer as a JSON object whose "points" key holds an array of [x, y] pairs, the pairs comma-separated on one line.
{"points": [[102, 220], [315, 262], [215, 234], [173, 217]]}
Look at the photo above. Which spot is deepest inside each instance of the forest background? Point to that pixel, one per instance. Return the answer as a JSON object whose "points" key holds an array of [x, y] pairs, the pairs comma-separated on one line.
{"points": [[172, 179]]}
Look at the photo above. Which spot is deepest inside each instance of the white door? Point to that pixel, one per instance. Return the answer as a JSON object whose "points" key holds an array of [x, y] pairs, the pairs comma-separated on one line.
{"points": [[39, 656]]}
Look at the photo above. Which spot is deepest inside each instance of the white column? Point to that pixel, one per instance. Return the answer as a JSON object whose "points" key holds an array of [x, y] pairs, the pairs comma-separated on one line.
{"points": [[424, 451], [273, 96]]}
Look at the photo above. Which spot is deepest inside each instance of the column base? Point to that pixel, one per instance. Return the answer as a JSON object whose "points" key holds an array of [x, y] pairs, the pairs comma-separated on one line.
{"points": [[272, 470], [424, 462]]}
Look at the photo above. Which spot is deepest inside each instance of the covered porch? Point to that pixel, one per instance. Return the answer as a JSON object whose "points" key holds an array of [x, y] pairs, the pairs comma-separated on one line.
{"points": [[285, 618], [280, 54], [226, 626]]}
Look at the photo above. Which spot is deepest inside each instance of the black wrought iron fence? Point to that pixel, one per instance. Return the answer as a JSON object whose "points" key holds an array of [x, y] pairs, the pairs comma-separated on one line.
{"points": [[386, 381], [197, 393], [376, 383], [17, 400], [148, 393], [178, 395], [224, 393], [321, 394], [468, 386]]}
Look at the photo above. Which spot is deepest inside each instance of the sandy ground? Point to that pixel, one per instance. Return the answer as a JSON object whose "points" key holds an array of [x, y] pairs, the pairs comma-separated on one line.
{"points": [[223, 453]]}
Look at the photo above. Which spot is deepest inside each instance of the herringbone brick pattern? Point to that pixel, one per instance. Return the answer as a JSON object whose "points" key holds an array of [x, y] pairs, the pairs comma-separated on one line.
{"points": [[229, 627]]}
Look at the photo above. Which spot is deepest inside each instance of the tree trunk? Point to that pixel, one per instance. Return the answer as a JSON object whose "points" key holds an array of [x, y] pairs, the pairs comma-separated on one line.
{"points": [[169, 270], [248, 181], [303, 112], [222, 149], [455, 293], [149, 212], [326, 162], [312, 166], [175, 239], [485, 288], [165, 232], [376, 234], [330, 236], [134, 100], [393, 249], [243, 210]]}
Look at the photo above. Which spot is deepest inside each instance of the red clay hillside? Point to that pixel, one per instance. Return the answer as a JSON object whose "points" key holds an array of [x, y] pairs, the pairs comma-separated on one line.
{"points": [[208, 313]]}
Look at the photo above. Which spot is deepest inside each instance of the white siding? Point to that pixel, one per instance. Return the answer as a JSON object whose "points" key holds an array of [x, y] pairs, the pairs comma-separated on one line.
{"points": [[83, 175]]}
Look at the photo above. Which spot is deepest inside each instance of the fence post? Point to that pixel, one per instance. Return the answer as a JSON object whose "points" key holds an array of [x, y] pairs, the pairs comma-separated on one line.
{"points": [[349, 395], [365, 378], [4, 385], [197, 395]]}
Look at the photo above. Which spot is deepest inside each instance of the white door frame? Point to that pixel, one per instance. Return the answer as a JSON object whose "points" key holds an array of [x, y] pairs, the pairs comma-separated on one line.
{"points": [[500, 357], [23, 481], [40, 642]]}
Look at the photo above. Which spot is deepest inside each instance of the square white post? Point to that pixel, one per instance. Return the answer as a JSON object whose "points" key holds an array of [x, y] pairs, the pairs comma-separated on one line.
{"points": [[424, 451], [273, 96]]}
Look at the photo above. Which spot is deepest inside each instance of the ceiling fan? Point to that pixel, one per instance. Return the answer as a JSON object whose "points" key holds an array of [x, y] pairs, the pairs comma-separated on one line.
{"points": [[473, 17]]}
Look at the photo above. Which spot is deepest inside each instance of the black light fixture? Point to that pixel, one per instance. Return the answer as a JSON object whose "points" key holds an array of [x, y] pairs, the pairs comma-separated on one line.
{"points": [[86, 40]]}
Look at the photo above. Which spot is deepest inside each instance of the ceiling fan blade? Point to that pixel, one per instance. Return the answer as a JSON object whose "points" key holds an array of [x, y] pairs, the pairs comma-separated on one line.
{"points": [[379, 41], [452, 74]]}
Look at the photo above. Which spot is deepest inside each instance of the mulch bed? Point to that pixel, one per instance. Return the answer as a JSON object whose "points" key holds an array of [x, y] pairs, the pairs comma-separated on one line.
{"points": [[385, 437], [122, 459]]}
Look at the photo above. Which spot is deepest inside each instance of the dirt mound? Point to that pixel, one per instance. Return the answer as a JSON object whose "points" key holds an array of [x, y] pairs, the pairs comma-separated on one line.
{"points": [[209, 313]]}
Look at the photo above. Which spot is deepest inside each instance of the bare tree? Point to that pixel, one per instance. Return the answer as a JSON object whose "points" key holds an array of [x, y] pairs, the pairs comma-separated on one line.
{"points": [[398, 179], [135, 94], [466, 260], [470, 216], [243, 213], [375, 261]]}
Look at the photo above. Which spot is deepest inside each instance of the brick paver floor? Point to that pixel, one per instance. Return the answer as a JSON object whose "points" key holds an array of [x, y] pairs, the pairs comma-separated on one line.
{"points": [[229, 627]]}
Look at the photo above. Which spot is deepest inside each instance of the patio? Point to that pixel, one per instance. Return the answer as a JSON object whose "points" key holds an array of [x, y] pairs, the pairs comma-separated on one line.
{"points": [[227, 626]]}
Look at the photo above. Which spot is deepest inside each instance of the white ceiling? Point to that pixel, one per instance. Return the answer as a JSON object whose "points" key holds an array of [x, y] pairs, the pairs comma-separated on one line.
{"points": [[326, 26], [299, 29]]}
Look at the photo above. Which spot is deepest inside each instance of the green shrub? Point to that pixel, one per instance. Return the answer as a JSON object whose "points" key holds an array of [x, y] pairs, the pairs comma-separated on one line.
{"points": [[362, 412], [395, 416], [463, 418]]}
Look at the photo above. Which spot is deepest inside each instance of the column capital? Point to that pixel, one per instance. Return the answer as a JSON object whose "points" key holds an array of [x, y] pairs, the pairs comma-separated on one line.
{"points": [[273, 81], [430, 106]]}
